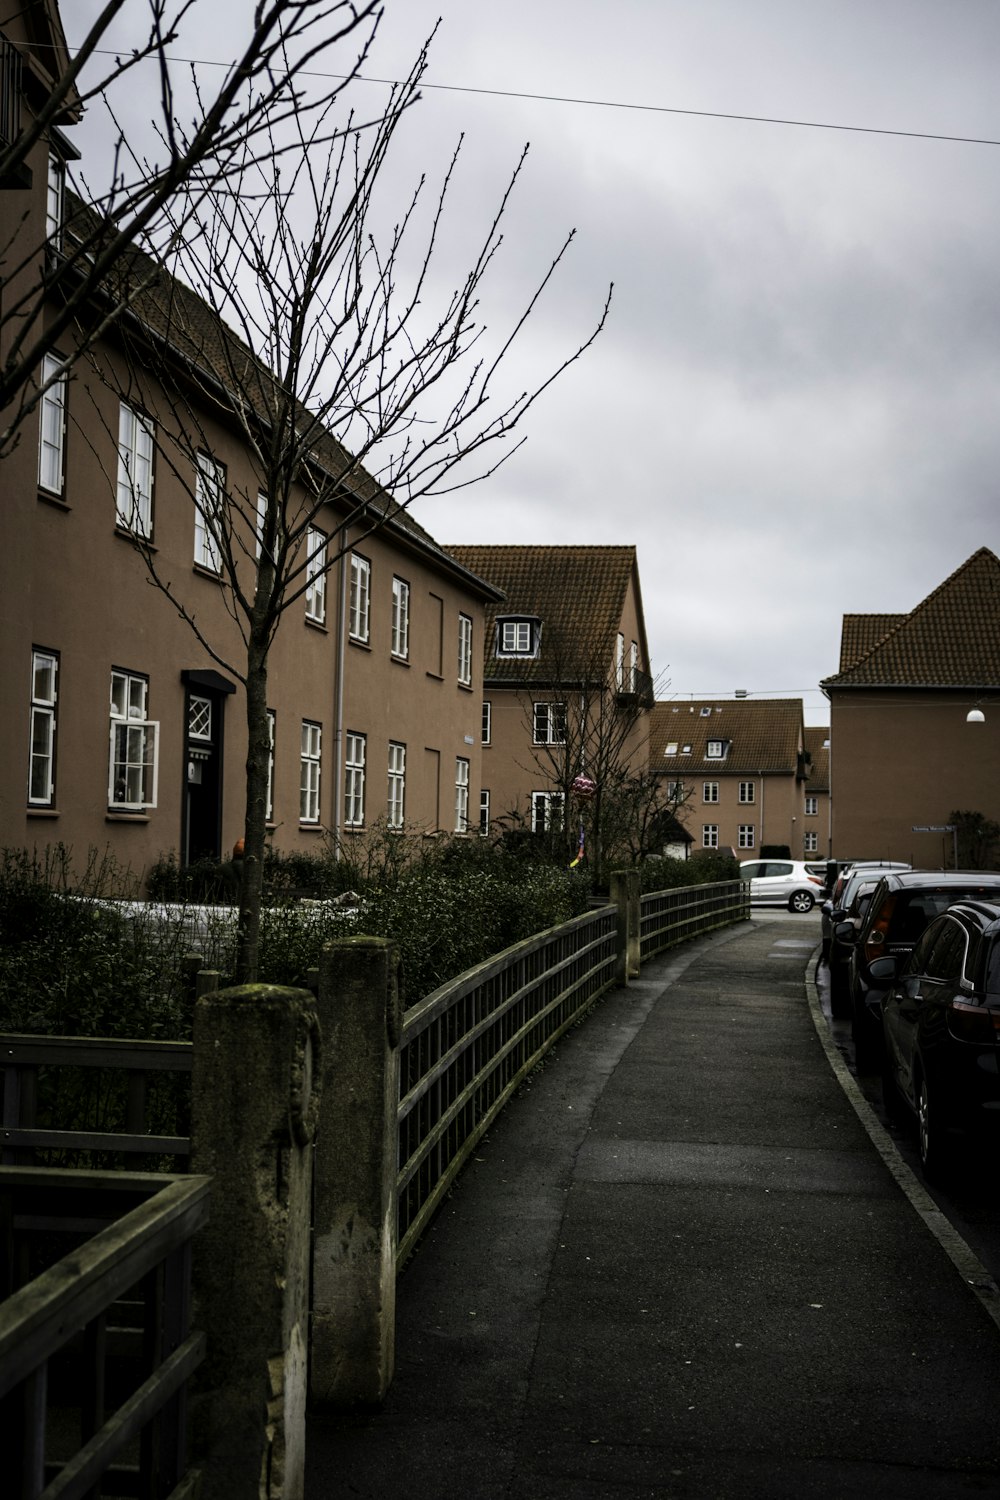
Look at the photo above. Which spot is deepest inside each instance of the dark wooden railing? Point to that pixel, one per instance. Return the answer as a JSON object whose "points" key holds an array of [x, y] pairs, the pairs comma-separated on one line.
{"points": [[102, 1122], [96, 1347], [469, 1045], [671, 917]]}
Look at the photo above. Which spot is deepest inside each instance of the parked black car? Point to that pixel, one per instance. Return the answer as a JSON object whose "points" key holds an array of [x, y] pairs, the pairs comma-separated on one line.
{"points": [[845, 919], [941, 1028], [838, 873], [902, 904]]}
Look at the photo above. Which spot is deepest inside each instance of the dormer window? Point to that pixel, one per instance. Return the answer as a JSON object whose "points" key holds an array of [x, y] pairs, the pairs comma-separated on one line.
{"points": [[706, 713], [518, 635], [716, 749]]}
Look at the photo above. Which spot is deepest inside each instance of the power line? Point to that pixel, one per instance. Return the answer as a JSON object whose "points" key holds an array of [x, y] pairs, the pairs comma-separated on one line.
{"points": [[587, 103]]}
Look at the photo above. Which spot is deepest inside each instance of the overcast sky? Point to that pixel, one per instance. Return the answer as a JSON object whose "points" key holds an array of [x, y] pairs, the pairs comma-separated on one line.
{"points": [[793, 410]]}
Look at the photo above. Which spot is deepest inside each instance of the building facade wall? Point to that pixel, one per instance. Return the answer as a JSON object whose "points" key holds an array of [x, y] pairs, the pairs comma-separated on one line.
{"points": [[74, 591], [905, 761]]}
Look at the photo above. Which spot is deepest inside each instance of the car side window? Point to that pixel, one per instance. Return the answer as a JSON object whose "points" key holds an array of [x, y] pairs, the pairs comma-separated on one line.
{"points": [[778, 867], [946, 956], [751, 872], [921, 952]]}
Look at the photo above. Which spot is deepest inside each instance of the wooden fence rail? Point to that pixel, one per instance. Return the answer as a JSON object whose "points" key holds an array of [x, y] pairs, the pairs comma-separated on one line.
{"points": [[119, 1305]]}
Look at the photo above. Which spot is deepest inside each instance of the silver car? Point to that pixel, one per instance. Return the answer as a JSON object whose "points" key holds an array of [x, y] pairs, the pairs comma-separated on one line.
{"points": [[782, 882]]}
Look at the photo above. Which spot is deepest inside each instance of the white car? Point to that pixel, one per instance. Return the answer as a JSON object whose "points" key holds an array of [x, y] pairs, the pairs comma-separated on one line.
{"points": [[782, 882]]}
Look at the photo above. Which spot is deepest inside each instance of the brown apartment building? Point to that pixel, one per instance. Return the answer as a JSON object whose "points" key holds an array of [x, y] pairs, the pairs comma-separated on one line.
{"points": [[904, 752], [742, 768], [567, 682], [120, 728]]}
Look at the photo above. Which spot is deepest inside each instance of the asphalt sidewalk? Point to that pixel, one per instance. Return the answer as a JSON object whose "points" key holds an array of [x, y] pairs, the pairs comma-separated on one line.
{"points": [[681, 1268]]}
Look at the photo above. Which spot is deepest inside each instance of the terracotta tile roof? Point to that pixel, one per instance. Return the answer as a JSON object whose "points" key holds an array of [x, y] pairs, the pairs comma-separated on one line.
{"points": [[951, 639], [860, 633], [578, 593], [764, 735], [817, 743]]}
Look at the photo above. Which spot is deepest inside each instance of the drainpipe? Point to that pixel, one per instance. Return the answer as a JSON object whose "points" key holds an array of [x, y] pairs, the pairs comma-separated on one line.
{"points": [[338, 701], [761, 775]]}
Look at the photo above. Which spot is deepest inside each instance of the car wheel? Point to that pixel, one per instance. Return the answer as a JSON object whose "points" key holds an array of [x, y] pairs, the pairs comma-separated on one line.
{"points": [[801, 901], [930, 1136]]}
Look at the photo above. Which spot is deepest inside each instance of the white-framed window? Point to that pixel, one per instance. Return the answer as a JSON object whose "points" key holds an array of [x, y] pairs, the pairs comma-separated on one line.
{"points": [[52, 429], [200, 718], [549, 724], [484, 811], [710, 835], [710, 791], [547, 810], [633, 666], [316, 576], [461, 795], [310, 768], [675, 790], [812, 806], [748, 792], [746, 836], [210, 479], [487, 723], [134, 497], [135, 738], [42, 747], [716, 750], [671, 748], [396, 815], [704, 713], [355, 749], [400, 618], [619, 661], [812, 842], [518, 636], [269, 803], [359, 615], [55, 201], [465, 650]]}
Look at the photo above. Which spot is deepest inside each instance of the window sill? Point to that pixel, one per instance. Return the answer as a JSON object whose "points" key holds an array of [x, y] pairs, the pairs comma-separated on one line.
{"points": [[215, 576], [319, 625], [310, 827], [399, 661], [465, 687], [126, 817], [43, 812], [435, 676], [56, 501], [362, 645], [136, 539]]}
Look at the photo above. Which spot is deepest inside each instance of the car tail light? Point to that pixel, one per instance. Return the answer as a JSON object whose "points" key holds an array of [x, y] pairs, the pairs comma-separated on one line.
{"points": [[816, 879], [875, 940], [974, 1023]]}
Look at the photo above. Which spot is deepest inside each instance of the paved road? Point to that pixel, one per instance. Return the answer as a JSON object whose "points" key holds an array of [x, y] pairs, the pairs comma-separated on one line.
{"points": [[680, 1268]]}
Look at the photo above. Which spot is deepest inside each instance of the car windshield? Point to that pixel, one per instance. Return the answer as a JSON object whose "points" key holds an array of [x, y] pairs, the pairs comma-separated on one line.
{"points": [[914, 909]]}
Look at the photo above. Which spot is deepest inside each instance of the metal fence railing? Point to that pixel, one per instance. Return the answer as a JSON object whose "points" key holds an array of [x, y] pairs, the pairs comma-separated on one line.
{"points": [[97, 1347], [468, 1046], [671, 917]]}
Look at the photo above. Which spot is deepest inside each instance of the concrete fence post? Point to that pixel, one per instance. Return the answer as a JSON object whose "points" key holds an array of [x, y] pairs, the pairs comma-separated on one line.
{"points": [[627, 896], [255, 1099], [354, 1245]]}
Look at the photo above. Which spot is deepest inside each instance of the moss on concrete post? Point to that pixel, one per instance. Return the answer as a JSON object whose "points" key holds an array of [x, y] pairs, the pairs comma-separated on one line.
{"points": [[255, 1099], [354, 1248], [627, 896]]}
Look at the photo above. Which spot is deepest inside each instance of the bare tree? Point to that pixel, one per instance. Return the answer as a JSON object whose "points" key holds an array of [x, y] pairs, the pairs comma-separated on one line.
{"points": [[60, 289], [352, 392], [585, 726]]}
